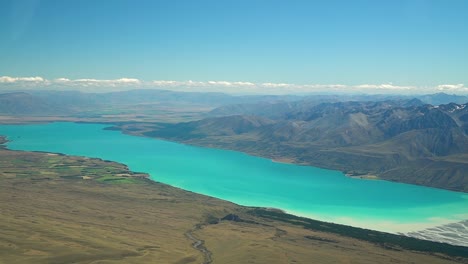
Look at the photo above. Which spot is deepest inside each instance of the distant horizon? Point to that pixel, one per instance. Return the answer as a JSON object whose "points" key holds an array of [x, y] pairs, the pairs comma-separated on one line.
{"points": [[9, 84]]}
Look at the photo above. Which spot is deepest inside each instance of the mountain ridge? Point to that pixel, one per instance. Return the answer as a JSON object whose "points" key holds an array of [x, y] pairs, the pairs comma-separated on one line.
{"points": [[414, 144], [394, 137]]}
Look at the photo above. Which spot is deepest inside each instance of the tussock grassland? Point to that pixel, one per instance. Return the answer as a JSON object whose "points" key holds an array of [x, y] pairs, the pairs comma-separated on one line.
{"points": [[63, 209]]}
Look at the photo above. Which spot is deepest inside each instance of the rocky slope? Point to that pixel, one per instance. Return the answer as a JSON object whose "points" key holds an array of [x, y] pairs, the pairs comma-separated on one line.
{"points": [[400, 140]]}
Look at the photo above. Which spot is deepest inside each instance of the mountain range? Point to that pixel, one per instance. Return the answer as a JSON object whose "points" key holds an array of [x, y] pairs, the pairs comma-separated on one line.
{"points": [[400, 140], [397, 138]]}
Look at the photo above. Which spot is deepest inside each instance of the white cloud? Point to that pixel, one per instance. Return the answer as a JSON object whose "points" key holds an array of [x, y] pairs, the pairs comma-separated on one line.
{"points": [[101, 83], [39, 82], [165, 83], [387, 86], [236, 87], [61, 80], [248, 87], [276, 85], [247, 84], [209, 86], [8, 79], [325, 86], [452, 88], [32, 79]]}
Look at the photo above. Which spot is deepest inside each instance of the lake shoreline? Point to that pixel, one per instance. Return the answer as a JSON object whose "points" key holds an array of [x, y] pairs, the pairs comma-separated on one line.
{"points": [[115, 125], [415, 231], [295, 212], [151, 197], [281, 160]]}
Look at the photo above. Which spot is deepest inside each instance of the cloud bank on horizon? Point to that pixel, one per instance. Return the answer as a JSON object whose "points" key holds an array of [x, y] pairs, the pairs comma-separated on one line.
{"points": [[8, 83]]}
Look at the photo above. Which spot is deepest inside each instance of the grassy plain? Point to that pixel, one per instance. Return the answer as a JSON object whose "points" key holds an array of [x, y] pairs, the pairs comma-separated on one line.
{"points": [[64, 209], [150, 113]]}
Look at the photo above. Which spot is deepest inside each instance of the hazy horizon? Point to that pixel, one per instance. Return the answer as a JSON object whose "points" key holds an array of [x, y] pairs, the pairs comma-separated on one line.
{"points": [[8, 84]]}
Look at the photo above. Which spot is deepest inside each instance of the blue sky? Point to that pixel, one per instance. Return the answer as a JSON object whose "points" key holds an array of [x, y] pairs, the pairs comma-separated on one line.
{"points": [[412, 43]]}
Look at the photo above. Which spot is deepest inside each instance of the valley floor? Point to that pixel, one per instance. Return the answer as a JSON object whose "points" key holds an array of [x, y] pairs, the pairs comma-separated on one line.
{"points": [[63, 209]]}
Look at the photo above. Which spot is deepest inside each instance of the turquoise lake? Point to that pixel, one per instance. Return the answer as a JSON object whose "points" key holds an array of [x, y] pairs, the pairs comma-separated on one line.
{"points": [[247, 180]]}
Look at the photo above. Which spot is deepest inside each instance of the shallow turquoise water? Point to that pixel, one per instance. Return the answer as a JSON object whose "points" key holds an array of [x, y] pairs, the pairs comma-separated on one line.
{"points": [[247, 180]]}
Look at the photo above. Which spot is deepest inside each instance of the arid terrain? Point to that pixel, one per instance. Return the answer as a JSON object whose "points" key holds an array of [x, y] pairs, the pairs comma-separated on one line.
{"points": [[64, 209]]}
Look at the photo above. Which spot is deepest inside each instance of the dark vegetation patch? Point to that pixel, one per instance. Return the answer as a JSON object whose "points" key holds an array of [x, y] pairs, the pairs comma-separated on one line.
{"points": [[386, 240], [321, 239], [236, 218]]}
